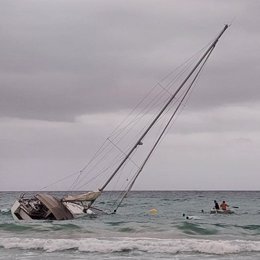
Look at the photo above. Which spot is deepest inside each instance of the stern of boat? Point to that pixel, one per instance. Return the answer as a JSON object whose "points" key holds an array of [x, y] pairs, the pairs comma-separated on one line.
{"points": [[18, 212]]}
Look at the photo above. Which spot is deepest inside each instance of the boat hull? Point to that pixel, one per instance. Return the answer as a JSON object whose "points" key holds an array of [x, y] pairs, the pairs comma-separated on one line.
{"points": [[41, 206], [47, 207], [220, 211]]}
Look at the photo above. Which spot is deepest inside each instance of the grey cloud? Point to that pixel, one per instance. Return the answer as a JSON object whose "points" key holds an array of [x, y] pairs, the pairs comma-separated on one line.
{"points": [[62, 60]]}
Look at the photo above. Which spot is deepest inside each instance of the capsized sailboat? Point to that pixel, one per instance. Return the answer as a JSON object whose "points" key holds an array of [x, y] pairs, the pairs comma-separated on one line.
{"points": [[169, 101], [46, 206]]}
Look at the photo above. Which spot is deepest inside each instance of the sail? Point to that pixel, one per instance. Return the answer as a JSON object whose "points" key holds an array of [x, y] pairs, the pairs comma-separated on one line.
{"points": [[89, 196]]}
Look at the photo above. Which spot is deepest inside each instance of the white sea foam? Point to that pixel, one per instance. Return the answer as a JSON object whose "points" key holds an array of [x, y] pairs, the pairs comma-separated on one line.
{"points": [[104, 245], [4, 210]]}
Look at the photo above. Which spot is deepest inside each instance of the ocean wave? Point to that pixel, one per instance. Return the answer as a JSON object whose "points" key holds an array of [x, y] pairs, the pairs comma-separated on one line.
{"points": [[39, 227], [254, 229], [251, 227], [125, 244], [127, 230], [196, 229]]}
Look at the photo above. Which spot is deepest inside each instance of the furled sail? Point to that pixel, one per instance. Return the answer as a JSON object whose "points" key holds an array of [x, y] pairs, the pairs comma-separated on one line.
{"points": [[89, 196]]}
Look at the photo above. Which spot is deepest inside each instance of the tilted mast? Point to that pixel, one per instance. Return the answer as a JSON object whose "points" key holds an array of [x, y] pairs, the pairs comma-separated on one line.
{"points": [[162, 133], [139, 141]]}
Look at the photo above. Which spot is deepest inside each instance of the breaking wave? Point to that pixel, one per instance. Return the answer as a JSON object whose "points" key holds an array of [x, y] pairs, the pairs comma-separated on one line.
{"points": [[125, 244]]}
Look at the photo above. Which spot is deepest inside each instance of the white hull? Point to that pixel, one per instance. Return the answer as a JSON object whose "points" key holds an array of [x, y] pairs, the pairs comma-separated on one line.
{"points": [[77, 210]]}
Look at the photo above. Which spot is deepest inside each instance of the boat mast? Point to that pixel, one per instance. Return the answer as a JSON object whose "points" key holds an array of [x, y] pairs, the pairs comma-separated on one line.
{"points": [[161, 134], [139, 141]]}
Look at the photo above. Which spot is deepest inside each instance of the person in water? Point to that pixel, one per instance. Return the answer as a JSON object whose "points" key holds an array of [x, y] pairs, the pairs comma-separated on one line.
{"points": [[216, 204], [224, 205]]}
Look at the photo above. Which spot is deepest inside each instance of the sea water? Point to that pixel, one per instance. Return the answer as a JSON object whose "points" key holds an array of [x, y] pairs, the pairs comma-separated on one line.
{"points": [[138, 231]]}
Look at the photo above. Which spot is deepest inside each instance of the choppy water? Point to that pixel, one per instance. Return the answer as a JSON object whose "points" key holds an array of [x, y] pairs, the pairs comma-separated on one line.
{"points": [[135, 233]]}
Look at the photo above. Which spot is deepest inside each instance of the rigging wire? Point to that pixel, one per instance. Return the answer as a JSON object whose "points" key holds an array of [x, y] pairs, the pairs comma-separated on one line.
{"points": [[186, 65], [104, 146], [146, 109], [166, 126], [160, 82]]}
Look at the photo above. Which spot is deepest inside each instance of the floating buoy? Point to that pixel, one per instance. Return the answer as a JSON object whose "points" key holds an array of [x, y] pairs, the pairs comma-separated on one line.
{"points": [[153, 211]]}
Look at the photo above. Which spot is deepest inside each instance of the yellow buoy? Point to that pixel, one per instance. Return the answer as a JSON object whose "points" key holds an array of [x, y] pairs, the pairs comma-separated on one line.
{"points": [[153, 211]]}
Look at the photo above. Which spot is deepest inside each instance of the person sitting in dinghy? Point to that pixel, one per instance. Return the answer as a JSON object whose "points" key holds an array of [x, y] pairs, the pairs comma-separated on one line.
{"points": [[216, 205], [224, 205]]}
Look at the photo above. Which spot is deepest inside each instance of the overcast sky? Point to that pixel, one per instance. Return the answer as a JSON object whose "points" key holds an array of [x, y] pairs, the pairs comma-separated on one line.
{"points": [[71, 69]]}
